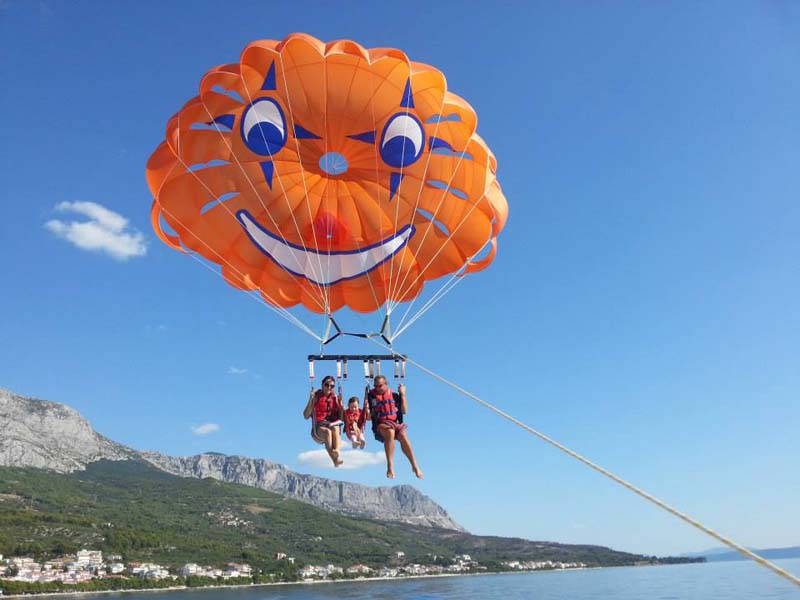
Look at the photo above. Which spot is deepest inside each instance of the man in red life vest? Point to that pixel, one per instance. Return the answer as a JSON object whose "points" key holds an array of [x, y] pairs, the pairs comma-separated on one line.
{"points": [[386, 410], [326, 409]]}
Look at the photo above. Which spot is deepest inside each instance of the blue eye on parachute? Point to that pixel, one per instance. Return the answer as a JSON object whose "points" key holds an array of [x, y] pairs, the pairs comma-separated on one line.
{"points": [[264, 127], [402, 141]]}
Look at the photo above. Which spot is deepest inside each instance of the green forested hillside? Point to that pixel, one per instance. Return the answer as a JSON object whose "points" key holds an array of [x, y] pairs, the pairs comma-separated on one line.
{"points": [[133, 509]]}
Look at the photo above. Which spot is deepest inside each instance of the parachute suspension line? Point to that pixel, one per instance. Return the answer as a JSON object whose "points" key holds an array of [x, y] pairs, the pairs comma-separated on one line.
{"points": [[324, 287], [419, 195], [386, 283], [443, 197], [276, 171], [456, 278], [272, 304], [629, 486], [324, 204], [449, 237], [211, 194], [320, 286], [368, 275], [256, 295], [453, 281], [276, 308], [255, 192], [238, 272], [400, 182]]}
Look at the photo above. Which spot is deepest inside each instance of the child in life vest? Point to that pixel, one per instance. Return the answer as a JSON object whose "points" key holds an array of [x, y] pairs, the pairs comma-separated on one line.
{"points": [[354, 423]]}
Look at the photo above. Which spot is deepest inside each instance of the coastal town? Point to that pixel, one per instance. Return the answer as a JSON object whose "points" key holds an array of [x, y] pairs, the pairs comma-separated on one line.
{"points": [[91, 565]]}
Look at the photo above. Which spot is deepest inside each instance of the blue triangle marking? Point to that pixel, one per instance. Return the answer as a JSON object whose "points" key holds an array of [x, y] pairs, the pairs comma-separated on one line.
{"points": [[269, 80], [301, 133], [225, 120], [408, 97], [268, 168], [367, 137], [434, 142], [394, 183]]}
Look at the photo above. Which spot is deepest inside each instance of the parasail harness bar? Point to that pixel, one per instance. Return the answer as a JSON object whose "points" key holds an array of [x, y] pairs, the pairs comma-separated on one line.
{"points": [[371, 363], [328, 336]]}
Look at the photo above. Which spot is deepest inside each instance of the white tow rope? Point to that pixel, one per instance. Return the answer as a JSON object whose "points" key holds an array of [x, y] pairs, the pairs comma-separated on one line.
{"points": [[649, 497]]}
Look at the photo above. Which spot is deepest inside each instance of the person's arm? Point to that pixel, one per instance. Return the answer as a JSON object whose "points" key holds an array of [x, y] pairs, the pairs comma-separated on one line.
{"points": [[310, 406], [341, 404], [401, 391], [366, 402]]}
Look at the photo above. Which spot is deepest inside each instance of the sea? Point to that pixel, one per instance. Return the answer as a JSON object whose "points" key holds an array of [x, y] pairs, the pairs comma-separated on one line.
{"points": [[735, 580]]}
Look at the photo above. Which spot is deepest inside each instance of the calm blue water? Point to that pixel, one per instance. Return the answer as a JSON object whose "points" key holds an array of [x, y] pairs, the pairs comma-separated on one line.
{"points": [[714, 581]]}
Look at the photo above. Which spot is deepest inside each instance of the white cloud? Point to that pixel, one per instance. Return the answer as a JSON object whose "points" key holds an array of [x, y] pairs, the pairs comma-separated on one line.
{"points": [[353, 459], [236, 371], [205, 429], [104, 231]]}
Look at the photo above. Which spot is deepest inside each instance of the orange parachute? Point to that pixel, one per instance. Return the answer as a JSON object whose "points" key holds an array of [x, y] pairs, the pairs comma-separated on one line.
{"points": [[327, 175]]}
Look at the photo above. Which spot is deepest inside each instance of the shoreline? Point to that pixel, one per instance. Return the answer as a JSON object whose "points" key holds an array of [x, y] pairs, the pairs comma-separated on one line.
{"points": [[279, 583]]}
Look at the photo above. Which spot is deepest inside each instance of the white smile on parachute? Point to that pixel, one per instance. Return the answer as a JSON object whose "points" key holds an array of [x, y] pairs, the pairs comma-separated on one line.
{"points": [[320, 266]]}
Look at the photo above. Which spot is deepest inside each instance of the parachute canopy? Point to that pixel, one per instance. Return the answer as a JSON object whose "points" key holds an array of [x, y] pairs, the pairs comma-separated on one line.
{"points": [[327, 175]]}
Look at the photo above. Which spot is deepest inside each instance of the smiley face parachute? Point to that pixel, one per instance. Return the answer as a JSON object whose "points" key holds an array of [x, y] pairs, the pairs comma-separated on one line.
{"points": [[327, 175]]}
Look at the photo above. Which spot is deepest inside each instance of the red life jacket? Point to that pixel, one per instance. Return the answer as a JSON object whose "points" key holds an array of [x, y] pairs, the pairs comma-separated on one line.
{"points": [[326, 407], [353, 420], [382, 407]]}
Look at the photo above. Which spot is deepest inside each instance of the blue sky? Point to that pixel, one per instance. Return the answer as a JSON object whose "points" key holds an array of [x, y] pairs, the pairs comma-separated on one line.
{"points": [[642, 309]]}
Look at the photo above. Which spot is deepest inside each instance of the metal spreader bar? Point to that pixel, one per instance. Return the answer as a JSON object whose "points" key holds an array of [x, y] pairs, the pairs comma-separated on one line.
{"points": [[371, 362], [333, 331]]}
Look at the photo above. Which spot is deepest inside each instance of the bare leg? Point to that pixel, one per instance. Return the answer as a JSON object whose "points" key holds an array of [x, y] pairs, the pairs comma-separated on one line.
{"points": [[388, 446], [405, 445], [336, 441], [333, 453]]}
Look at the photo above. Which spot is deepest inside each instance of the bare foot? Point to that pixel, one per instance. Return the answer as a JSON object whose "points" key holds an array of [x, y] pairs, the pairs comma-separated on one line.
{"points": [[390, 474], [356, 445], [418, 473], [338, 462], [363, 444]]}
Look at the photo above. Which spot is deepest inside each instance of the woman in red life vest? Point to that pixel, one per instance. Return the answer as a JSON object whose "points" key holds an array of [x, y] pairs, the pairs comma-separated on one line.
{"points": [[326, 409], [354, 419], [386, 410]]}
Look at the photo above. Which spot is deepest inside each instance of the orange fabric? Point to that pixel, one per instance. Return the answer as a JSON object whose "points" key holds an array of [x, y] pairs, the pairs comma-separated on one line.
{"points": [[259, 201]]}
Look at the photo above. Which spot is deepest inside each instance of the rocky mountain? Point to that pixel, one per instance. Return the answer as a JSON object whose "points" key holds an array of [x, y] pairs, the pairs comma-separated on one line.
{"points": [[47, 435], [403, 502]]}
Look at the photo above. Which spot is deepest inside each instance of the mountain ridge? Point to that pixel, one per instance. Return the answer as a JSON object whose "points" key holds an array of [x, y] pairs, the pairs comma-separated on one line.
{"points": [[48, 435]]}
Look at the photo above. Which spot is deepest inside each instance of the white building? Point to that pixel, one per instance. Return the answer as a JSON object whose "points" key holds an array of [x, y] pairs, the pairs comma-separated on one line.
{"points": [[157, 573], [359, 570], [190, 569], [241, 570], [89, 558]]}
